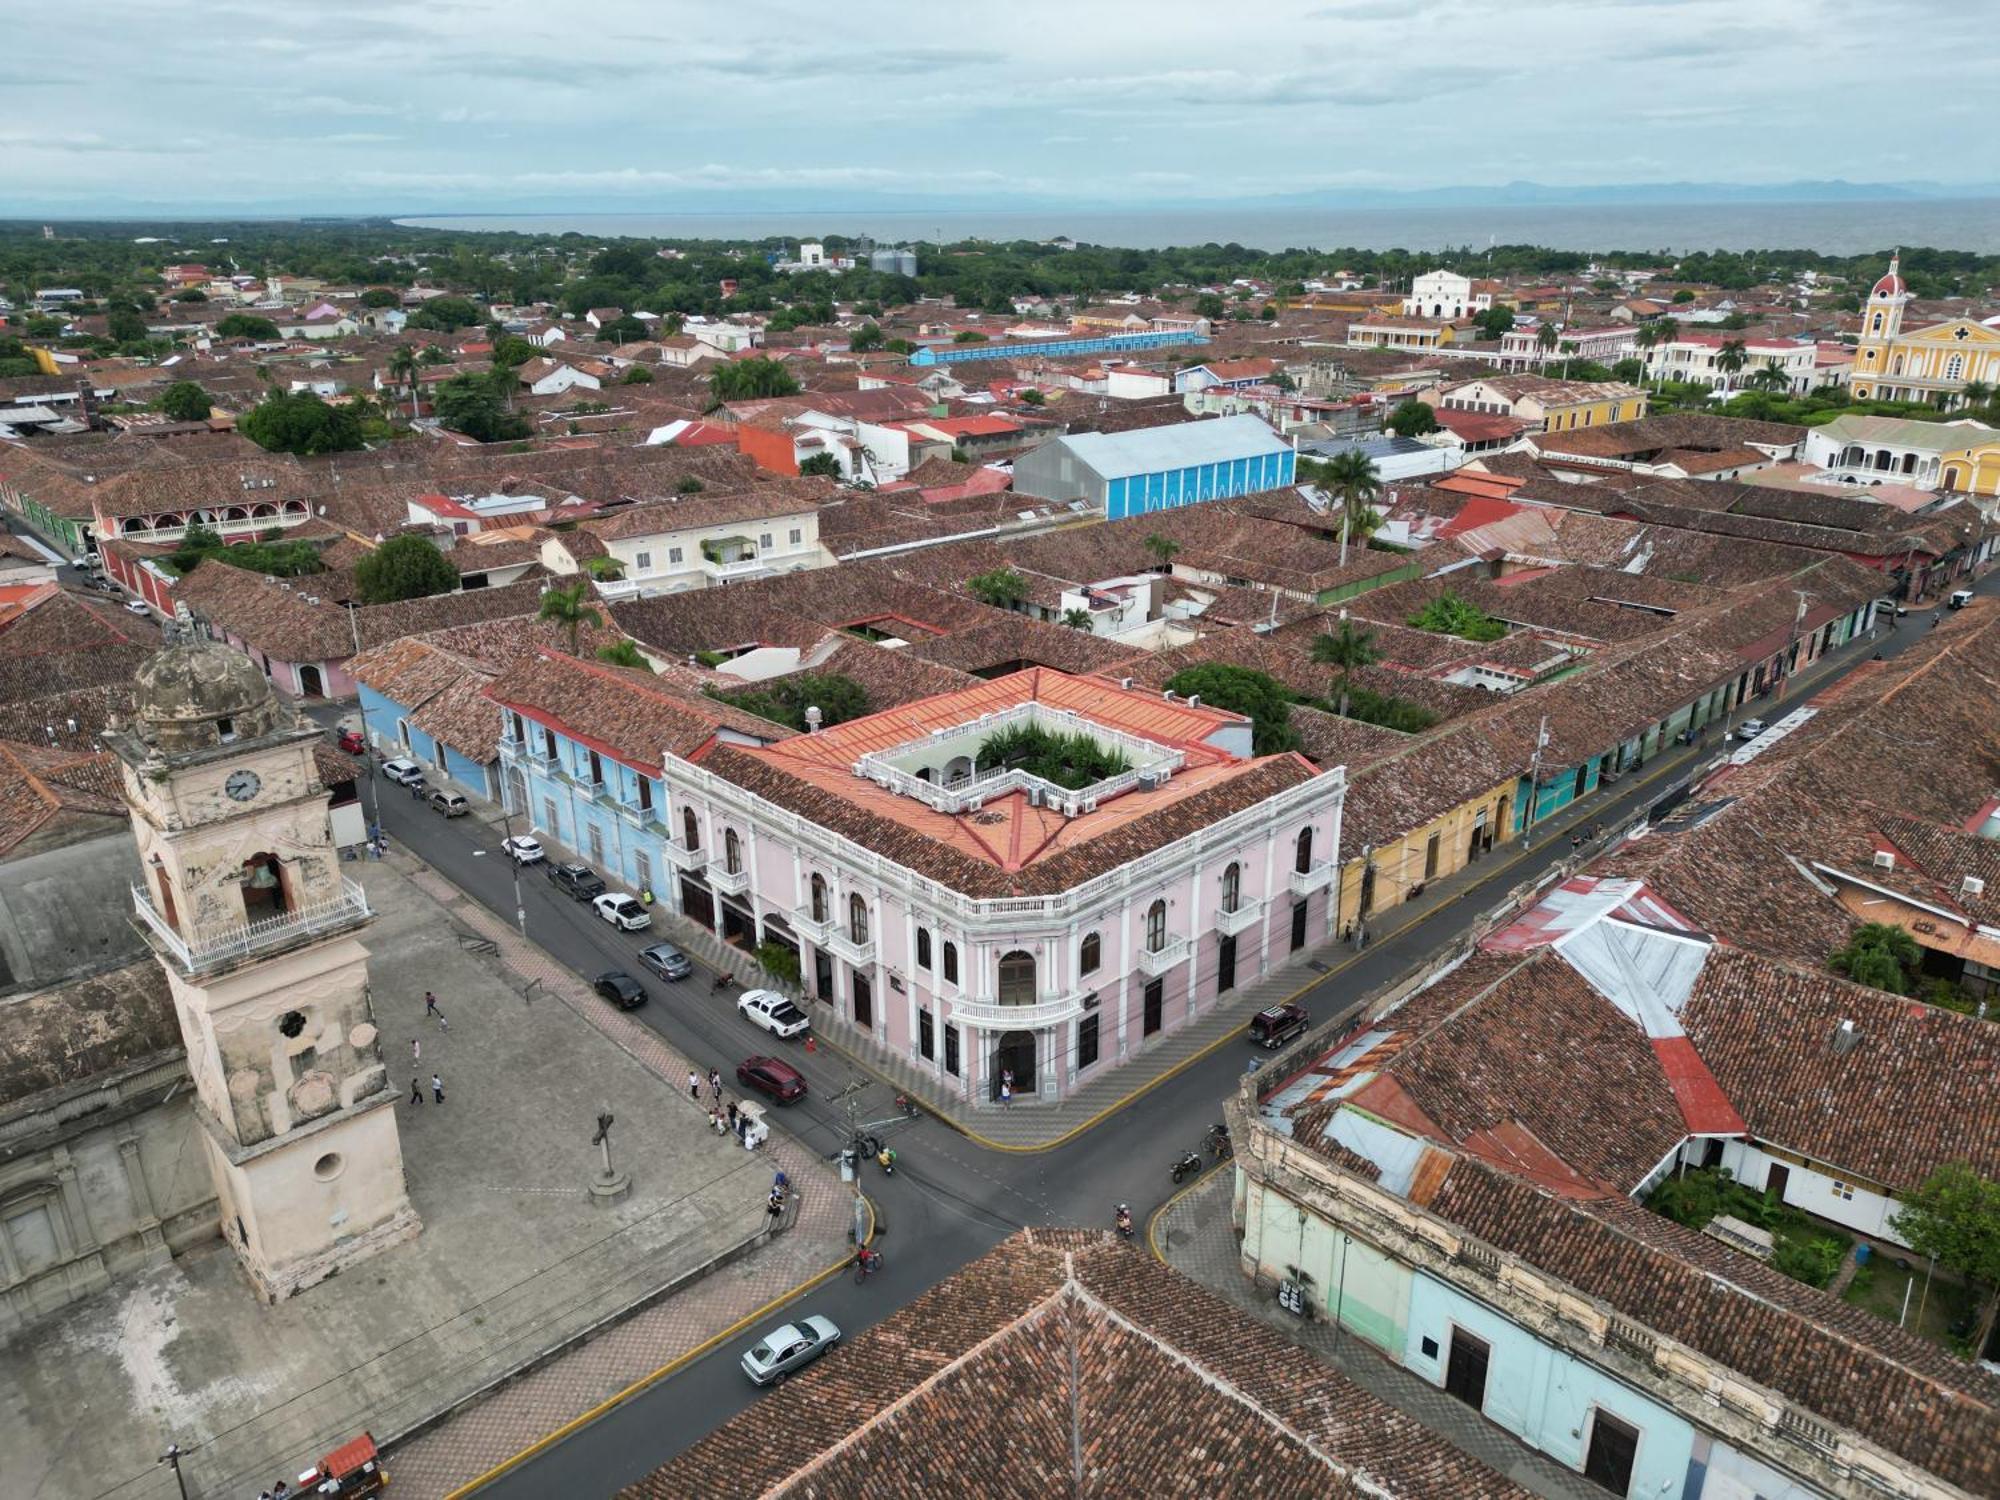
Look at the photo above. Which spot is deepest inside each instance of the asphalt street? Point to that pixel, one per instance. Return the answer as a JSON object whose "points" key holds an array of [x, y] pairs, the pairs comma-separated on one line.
{"points": [[951, 1199]]}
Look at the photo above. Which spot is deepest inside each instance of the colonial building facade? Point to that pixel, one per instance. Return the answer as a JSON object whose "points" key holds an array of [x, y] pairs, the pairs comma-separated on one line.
{"points": [[1927, 364], [951, 903]]}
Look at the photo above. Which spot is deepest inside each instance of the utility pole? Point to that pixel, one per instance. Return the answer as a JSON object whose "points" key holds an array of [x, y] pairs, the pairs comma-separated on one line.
{"points": [[367, 745], [1534, 780], [172, 1457]]}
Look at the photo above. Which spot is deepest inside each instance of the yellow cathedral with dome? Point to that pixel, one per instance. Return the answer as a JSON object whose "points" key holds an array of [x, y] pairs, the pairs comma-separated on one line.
{"points": [[1932, 364]]}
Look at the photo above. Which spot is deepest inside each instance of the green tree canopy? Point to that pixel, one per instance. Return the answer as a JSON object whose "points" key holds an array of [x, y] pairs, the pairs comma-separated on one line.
{"points": [[1880, 955], [636, 375], [624, 654], [821, 463], [750, 379], [1348, 648], [510, 350], [1955, 1216], [867, 336], [477, 406], [624, 329], [404, 567], [1241, 690], [1001, 587], [379, 296], [1495, 321], [1412, 418], [784, 700], [1450, 615], [246, 326], [446, 314], [185, 401], [301, 424], [571, 609], [1209, 305]]}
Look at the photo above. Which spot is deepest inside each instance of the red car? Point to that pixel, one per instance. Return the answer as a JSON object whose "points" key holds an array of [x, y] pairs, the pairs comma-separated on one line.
{"points": [[350, 741], [778, 1081]]}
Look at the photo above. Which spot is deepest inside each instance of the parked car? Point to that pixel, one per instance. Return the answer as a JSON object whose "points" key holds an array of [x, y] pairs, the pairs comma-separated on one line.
{"points": [[523, 850], [1749, 729], [621, 989], [790, 1348], [1891, 607], [138, 606], [1276, 1025], [1959, 599], [578, 881], [772, 1011], [667, 961], [350, 740], [403, 771], [622, 912], [451, 804], [778, 1081]]}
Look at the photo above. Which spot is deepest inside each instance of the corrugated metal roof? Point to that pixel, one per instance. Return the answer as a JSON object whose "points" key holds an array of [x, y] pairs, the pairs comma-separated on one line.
{"points": [[1118, 454]]}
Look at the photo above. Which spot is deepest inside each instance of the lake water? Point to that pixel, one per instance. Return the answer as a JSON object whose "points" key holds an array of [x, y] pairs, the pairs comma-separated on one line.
{"points": [[1831, 228]]}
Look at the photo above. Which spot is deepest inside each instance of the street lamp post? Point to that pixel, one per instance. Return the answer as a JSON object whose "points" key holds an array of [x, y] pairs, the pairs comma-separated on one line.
{"points": [[367, 745]]}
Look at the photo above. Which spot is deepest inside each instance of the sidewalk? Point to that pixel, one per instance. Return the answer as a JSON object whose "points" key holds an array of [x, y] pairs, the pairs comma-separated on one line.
{"points": [[442, 1457], [1195, 1237]]}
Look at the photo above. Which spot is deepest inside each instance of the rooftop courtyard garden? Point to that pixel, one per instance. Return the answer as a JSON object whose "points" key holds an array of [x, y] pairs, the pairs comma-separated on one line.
{"points": [[1070, 761]]}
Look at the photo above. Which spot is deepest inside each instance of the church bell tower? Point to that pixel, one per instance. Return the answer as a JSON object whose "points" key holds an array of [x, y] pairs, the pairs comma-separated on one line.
{"points": [[246, 909]]}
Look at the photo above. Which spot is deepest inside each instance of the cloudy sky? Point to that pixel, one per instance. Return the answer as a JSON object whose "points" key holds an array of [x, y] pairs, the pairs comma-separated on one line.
{"points": [[463, 104]]}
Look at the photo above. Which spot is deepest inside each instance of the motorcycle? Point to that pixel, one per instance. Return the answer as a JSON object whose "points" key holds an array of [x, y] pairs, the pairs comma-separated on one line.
{"points": [[1188, 1165], [1124, 1221], [1219, 1144], [908, 1106], [886, 1157]]}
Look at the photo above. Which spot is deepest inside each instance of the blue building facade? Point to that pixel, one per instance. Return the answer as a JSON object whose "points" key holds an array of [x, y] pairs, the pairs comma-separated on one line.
{"points": [[1141, 494], [1110, 343], [391, 728], [582, 796]]}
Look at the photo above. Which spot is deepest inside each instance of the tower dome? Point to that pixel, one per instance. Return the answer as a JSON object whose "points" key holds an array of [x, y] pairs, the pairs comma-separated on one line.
{"points": [[197, 694], [1891, 284]]}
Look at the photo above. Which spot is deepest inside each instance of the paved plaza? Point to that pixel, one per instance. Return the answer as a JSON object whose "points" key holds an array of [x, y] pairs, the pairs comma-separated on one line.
{"points": [[514, 1258]]}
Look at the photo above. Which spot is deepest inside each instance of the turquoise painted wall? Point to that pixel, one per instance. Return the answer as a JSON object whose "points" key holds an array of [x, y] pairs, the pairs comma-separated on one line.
{"points": [[1543, 1396]]}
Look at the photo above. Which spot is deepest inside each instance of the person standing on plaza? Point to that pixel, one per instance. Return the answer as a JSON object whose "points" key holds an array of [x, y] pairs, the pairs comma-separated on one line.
{"points": [[437, 1088], [694, 1085], [416, 1090], [430, 1003]]}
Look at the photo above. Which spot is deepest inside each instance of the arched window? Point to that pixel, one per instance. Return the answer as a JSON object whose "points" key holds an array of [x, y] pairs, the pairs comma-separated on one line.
{"points": [[1156, 927], [1017, 978], [263, 887], [950, 962], [1232, 886], [819, 906], [923, 947], [690, 829], [732, 852], [1954, 368], [1090, 954], [1302, 860], [857, 919]]}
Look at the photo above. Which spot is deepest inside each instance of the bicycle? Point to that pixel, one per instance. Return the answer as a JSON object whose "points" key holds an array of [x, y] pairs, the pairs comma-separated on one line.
{"points": [[866, 1263]]}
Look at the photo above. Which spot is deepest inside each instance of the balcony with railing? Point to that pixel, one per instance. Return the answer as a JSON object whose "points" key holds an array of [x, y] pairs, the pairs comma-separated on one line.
{"points": [[819, 929], [984, 1015], [1312, 878], [842, 943], [684, 856], [1246, 913], [1157, 961], [729, 882], [213, 947]]}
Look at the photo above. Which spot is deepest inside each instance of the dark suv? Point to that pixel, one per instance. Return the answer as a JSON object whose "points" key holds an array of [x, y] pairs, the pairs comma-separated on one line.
{"points": [[1277, 1025], [579, 881]]}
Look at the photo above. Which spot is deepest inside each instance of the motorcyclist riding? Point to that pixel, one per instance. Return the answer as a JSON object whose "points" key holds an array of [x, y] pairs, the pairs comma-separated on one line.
{"points": [[1124, 1220]]}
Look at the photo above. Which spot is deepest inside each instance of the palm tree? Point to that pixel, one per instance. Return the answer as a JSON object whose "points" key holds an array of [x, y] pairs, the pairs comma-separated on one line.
{"points": [[1352, 475], [1647, 337], [1730, 358], [1545, 339], [1770, 377], [1077, 619], [1976, 393], [1163, 549], [1568, 348], [403, 372], [1347, 649], [566, 607]]}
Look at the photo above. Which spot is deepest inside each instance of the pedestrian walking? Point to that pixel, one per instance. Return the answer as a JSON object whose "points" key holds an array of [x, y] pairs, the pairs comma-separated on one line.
{"points": [[416, 1050], [1006, 1093], [715, 1119], [430, 1003], [443, 1025], [416, 1091], [694, 1085], [437, 1088], [715, 1083]]}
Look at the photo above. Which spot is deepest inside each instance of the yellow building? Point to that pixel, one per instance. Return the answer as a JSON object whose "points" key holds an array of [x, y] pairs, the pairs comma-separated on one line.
{"points": [[1377, 878], [1929, 364], [1972, 471], [1551, 405]]}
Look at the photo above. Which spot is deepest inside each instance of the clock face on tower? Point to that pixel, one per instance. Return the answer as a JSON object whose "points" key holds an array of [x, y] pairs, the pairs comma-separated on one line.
{"points": [[242, 785]]}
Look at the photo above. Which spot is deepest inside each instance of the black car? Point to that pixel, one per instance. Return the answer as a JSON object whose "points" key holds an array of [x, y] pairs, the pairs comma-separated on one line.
{"points": [[579, 881], [621, 989]]}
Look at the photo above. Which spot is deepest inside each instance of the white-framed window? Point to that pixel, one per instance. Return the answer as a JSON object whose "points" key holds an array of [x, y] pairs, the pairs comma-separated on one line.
{"points": [[644, 562], [798, 536], [764, 542], [673, 557]]}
